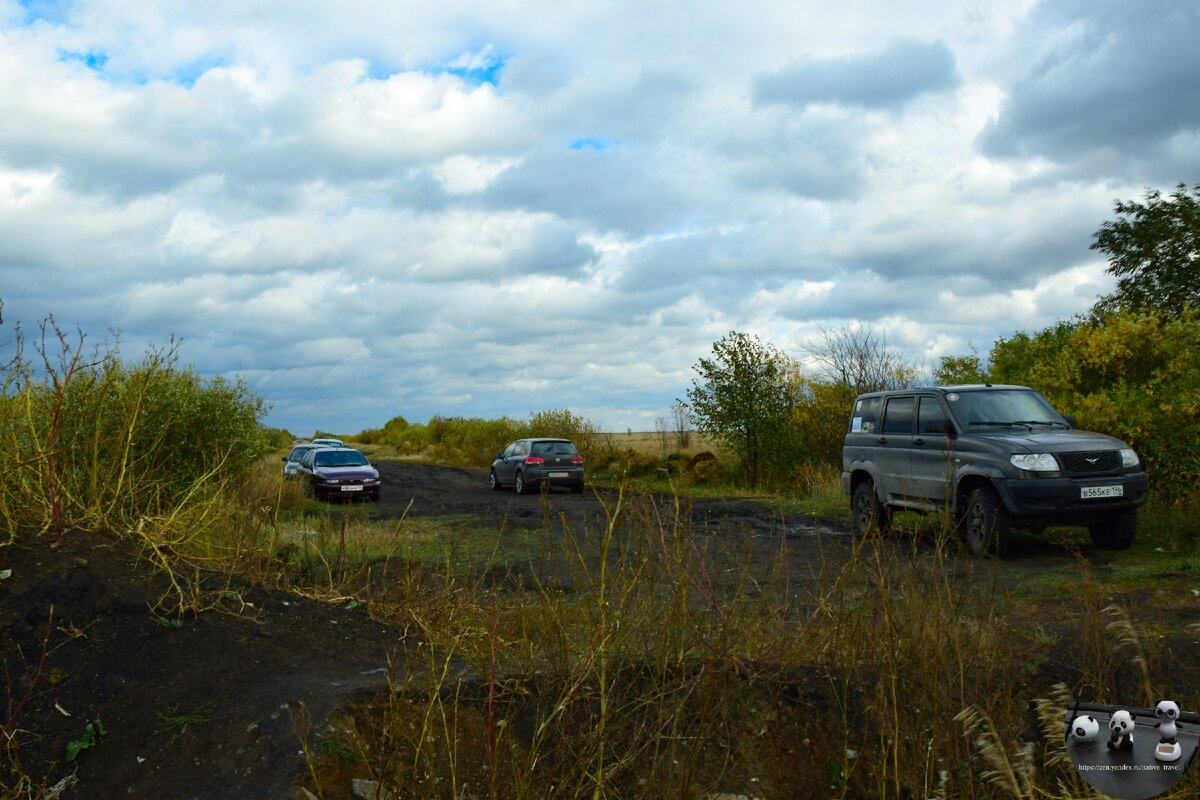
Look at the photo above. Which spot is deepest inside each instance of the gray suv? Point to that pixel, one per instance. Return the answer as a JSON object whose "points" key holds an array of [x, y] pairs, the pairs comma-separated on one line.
{"points": [[993, 457]]}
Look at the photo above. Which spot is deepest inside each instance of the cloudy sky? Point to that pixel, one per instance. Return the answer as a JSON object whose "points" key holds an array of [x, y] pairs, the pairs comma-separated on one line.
{"points": [[373, 208]]}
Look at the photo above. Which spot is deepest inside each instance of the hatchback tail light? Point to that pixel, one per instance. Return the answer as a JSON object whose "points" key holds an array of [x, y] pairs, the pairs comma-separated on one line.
{"points": [[534, 460], [576, 459]]}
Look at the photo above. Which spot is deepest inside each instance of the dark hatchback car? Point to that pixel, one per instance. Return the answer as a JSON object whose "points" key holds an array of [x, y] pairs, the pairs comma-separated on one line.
{"points": [[341, 473], [529, 463]]}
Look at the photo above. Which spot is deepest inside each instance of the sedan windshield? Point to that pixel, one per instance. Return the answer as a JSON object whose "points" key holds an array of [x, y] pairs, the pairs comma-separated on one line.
{"points": [[340, 458], [1002, 408]]}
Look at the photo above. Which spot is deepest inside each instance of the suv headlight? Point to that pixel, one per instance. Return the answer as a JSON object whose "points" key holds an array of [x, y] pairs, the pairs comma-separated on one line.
{"points": [[1035, 462], [1129, 458]]}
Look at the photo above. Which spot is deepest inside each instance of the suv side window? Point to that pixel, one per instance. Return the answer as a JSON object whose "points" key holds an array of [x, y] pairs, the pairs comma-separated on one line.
{"points": [[898, 416], [929, 414], [866, 415]]}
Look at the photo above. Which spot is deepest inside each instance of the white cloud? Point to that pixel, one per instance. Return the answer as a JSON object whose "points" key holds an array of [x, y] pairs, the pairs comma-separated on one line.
{"points": [[488, 209], [462, 174]]}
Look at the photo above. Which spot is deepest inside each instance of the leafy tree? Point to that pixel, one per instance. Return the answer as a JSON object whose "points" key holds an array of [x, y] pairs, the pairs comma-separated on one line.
{"points": [[563, 423], [821, 417], [1031, 360], [744, 397], [1154, 251], [952, 370], [1134, 375]]}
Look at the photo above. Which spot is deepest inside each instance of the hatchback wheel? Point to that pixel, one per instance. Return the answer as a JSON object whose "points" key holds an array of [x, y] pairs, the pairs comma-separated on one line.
{"points": [[985, 523], [519, 484], [493, 481]]}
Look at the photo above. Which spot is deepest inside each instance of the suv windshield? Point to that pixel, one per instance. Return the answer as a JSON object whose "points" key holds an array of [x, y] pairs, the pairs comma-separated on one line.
{"points": [[1002, 408], [340, 458]]}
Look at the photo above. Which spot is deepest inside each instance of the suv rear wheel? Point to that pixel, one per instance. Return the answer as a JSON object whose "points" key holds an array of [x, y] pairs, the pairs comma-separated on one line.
{"points": [[1116, 531], [869, 515], [985, 523]]}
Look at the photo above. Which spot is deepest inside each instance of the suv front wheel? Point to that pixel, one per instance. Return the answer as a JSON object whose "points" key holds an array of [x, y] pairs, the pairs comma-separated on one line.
{"points": [[869, 515], [985, 523], [1116, 531]]}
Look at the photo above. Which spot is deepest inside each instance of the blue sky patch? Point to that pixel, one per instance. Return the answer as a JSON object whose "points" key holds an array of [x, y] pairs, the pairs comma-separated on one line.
{"points": [[187, 74], [478, 75], [92, 60], [55, 11], [597, 144]]}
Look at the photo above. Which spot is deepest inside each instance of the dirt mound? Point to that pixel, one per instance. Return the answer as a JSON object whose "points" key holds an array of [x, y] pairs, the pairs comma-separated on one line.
{"points": [[199, 707]]}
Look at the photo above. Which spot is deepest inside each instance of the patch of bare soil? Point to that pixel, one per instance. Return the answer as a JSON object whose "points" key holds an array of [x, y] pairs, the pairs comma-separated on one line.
{"points": [[202, 707], [211, 706]]}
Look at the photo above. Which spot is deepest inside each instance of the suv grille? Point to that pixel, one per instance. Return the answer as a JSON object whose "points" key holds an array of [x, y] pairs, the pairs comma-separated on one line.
{"points": [[1093, 463]]}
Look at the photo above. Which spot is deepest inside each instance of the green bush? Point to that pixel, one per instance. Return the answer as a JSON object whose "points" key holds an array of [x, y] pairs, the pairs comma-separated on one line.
{"points": [[105, 444], [475, 441], [1135, 376]]}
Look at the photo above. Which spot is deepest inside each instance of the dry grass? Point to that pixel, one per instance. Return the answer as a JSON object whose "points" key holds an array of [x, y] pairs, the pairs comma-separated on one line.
{"points": [[669, 664]]}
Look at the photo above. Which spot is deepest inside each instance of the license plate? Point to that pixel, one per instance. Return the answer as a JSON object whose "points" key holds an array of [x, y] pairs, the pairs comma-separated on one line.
{"points": [[558, 474], [356, 488], [1095, 492]]}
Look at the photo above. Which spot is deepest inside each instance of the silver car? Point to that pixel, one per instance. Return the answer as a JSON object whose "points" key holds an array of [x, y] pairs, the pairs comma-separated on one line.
{"points": [[291, 461]]}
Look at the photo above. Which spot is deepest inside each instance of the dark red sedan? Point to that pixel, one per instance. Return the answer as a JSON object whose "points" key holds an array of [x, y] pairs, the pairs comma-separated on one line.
{"points": [[340, 473]]}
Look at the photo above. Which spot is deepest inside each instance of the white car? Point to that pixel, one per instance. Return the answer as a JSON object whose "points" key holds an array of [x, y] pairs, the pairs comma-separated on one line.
{"points": [[328, 442]]}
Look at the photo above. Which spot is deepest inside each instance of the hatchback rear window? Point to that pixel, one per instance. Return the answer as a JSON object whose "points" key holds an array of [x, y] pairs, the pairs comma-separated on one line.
{"points": [[554, 449]]}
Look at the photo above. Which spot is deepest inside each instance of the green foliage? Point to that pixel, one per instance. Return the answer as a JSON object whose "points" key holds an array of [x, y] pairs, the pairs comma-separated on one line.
{"points": [[1133, 375], [1154, 251], [820, 420], [562, 423], [474, 441], [107, 444], [93, 733], [959, 370], [745, 397], [277, 438]]}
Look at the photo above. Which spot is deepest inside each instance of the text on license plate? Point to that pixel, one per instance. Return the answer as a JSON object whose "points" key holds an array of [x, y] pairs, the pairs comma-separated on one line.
{"points": [[1094, 492], [558, 474], [356, 488]]}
